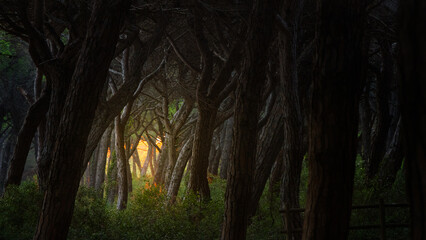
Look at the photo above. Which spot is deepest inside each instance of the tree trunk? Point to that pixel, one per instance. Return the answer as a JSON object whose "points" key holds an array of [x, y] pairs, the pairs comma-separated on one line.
{"points": [[212, 154], [147, 160], [200, 152], [35, 115], [159, 174], [6, 152], [271, 140], [137, 161], [365, 122], [121, 166], [153, 160], [171, 156], [129, 177], [102, 157], [246, 117], [111, 187], [338, 73], [276, 174], [294, 148], [226, 151], [413, 105], [215, 164], [179, 169], [392, 161], [379, 138], [93, 166], [77, 116]]}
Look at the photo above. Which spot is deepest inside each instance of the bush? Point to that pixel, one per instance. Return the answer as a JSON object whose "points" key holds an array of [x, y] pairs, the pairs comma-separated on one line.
{"points": [[91, 218], [19, 211]]}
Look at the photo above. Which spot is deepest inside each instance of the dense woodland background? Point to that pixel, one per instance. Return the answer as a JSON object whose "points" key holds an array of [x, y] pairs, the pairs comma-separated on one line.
{"points": [[203, 119]]}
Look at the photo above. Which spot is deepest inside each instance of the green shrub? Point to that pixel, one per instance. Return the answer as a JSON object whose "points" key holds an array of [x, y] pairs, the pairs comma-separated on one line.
{"points": [[19, 211], [91, 218]]}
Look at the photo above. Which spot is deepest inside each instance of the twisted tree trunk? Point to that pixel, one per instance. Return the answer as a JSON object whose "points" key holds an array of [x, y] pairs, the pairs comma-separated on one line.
{"points": [[338, 76]]}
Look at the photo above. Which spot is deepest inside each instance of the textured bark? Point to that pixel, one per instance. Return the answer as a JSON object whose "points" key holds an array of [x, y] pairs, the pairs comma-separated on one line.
{"points": [[102, 158], [413, 105], [216, 151], [383, 119], [200, 153], [159, 172], [152, 163], [171, 158], [271, 140], [147, 160], [179, 169], [338, 74], [137, 161], [93, 166], [393, 160], [122, 163], [53, 119], [35, 115], [6, 152], [365, 122], [276, 174], [226, 151], [76, 119], [112, 187], [212, 154], [129, 177], [246, 117], [215, 164], [294, 148]]}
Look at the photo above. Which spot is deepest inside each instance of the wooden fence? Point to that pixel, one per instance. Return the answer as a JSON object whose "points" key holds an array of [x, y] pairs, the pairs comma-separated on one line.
{"points": [[382, 217]]}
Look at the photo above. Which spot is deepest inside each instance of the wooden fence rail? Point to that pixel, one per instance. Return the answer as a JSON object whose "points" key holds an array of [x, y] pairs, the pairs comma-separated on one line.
{"points": [[382, 226]]}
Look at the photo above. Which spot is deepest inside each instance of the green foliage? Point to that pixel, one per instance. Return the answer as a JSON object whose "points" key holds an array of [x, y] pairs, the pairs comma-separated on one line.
{"points": [[149, 214], [268, 222], [91, 216], [19, 208], [5, 47]]}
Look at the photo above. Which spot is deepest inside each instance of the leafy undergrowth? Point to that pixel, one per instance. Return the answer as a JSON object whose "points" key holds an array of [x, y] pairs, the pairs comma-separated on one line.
{"points": [[148, 215]]}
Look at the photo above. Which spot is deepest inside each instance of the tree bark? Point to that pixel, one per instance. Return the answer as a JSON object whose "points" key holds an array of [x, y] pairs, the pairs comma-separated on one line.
{"points": [[93, 166], [6, 152], [147, 160], [246, 117], [365, 122], [35, 115], [393, 160], [137, 161], [102, 157], [338, 74], [413, 105], [271, 140], [111, 187], [179, 169], [77, 116], [226, 151], [294, 148], [171, 157], [383, 120], [121, 165], [200, 152], [159, 172]]}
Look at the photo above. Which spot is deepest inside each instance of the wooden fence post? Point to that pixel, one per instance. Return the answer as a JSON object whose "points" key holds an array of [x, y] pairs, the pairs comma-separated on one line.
{"points": [[382, 220], [288, 223]]}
